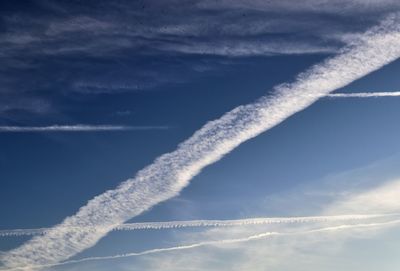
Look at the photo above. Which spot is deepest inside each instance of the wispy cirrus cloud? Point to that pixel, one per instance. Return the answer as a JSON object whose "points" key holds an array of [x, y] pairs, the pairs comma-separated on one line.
{"points": [[171, 172], [11, 103], [75, 49], [177, 40], [379, 198], [333, 6]]}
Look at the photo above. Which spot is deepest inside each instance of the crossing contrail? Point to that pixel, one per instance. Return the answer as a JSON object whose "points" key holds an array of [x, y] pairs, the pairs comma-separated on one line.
{"points": [[365, 94], [260, 236], [171, 172], [75, 128], [212, 223]]}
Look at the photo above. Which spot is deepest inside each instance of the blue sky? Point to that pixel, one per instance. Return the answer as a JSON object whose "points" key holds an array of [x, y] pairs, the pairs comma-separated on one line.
{"points": [[145, 76]]}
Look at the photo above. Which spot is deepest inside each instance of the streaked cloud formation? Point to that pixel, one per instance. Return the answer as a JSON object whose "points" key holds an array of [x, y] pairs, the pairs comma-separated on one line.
{"points": [[171, 172], [76, 128], [332, 6], [183, 43]]}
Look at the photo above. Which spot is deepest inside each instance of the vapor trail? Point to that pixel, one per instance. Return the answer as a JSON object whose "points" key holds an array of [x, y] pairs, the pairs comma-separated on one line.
{"points": [[365, 94], [171, 172], [75, 128], [211, 223], [260, 236]]}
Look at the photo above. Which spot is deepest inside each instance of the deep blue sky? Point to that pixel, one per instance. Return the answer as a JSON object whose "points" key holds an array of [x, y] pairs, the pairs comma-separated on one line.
{"points": [[178, 65]]}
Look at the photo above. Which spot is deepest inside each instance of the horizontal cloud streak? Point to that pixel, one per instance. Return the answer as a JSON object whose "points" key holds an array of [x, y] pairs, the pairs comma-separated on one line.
{"points": [[260, 236], [171, 172], [332, 6], [211, 223], [365, 94], [76, 128]]}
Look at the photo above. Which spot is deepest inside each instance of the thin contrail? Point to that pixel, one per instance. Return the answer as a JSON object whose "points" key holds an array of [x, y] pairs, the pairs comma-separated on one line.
{"points": [[75, 128], [365, 94], [211, 223], [171, 172], [260, 236]]}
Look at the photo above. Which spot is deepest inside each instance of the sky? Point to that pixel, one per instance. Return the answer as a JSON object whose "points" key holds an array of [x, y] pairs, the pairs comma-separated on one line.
{"points": [[199, 135]]}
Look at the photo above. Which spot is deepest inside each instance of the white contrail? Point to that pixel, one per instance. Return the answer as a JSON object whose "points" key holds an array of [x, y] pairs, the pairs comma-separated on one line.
{"points": [[171, 172], [75, 128], [263, 235], [365, 94], [212, 223]]}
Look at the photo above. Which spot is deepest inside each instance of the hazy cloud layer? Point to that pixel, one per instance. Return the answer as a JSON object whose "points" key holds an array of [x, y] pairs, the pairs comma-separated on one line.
{"points": [[318, 249], [135, 46]]}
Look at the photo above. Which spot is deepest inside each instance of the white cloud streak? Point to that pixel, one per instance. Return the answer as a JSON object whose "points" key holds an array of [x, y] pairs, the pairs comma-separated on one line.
{"points": [[254, 237], [244, 48], [212, 223], [171, 172], [76, 128], [365, 94], [332, 6]]}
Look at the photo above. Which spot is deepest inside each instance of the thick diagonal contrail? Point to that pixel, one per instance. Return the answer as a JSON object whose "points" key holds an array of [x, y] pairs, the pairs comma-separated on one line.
{"points": [[214, 223], [171, 172]]}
